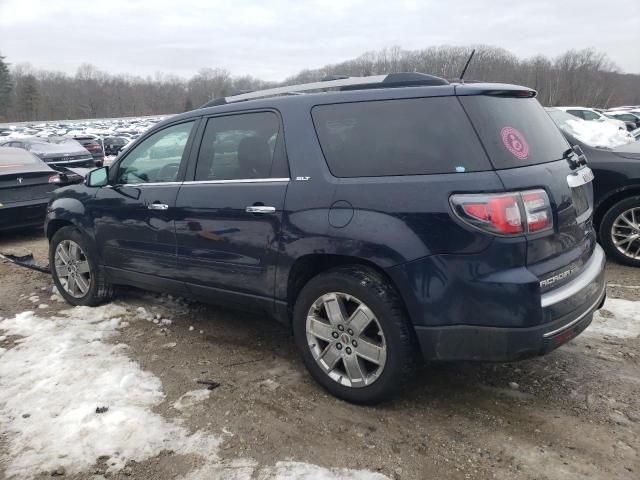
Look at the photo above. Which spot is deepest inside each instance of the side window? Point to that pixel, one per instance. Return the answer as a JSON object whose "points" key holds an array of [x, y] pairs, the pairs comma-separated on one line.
{"points": [[590, 115], [576, 113], [242, 146], [398, 137], [156, 159]]}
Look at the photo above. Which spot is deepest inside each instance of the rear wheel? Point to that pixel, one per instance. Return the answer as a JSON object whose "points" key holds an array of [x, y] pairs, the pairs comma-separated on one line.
{"points": [[75, 271], [620, 231], [352, 331]]}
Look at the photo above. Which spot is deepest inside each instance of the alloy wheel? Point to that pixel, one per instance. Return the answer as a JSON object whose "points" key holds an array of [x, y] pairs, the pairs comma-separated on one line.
{"points": [[346, 339], [625, 233], [72, 268]]}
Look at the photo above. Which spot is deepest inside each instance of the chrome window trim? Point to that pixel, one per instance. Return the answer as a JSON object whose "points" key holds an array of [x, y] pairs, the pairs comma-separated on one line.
{"points": [[239, 180], [149, 184], [202, 182], [592, 269]]}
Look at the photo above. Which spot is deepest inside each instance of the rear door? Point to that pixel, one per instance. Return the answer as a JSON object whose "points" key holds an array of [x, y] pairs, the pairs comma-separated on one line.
{"points": [[529, 152], [228, 218], [135, 214]]}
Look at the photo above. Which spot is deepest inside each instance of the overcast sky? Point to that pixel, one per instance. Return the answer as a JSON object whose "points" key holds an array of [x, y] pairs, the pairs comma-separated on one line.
{"points": [[275, 39]]}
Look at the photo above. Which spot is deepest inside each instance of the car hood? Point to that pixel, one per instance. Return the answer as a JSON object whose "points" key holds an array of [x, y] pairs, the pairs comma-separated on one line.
{"points": [[630, 150]]}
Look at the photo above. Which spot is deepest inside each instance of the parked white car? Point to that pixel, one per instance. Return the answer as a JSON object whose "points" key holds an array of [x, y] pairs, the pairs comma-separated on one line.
{"points": [[628, 116], [590, 115]]}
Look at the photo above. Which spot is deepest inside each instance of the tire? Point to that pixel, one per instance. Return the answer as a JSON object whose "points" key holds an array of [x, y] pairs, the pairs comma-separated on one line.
{"points": [[395, 348], [613, 227], [99, 290]]}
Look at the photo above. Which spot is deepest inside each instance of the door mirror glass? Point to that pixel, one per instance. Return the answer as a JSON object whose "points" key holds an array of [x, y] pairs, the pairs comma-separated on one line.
{"points": [[98, 177]]}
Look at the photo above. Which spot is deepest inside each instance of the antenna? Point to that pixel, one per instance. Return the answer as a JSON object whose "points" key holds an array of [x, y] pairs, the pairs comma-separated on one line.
{"points": [[466, 65]]}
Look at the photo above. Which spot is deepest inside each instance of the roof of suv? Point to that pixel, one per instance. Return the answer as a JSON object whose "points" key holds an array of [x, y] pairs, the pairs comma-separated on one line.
{"points": [[351, 91]]}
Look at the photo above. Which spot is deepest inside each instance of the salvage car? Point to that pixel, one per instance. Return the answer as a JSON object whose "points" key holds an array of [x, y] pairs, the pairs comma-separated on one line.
{"points": [[26, 184], [591, 115], [55, 151], [615, 162], [401, 219], [93, 145], [113, 145]]}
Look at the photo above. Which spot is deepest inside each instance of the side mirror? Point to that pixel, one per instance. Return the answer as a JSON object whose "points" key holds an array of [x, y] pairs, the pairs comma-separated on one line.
{"points": [[98, 177]]}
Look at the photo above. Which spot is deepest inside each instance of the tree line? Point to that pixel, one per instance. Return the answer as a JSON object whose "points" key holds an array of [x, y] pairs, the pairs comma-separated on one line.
{"points": [[576, 77]]}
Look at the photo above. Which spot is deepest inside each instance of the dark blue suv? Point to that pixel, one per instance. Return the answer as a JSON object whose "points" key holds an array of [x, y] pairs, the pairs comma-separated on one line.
{"points": [[389, 220]]}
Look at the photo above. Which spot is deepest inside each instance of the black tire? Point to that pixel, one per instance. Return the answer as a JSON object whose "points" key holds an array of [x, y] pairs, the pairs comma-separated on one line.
{"points": [[381, 298], [100, 290], [606, 227]]}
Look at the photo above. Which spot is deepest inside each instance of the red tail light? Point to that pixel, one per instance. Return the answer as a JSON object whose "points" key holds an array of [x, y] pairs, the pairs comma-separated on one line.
{"points": [[503, 213], [55, 179]]}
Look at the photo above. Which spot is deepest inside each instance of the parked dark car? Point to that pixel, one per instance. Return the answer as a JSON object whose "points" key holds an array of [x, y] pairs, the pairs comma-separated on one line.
{"points": [[400, 219], [616, 192], [93, 145], [113, 145], [55, 151], [26, 184]]}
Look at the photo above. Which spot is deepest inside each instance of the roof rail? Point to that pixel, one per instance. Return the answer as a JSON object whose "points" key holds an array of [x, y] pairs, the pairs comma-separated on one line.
{"points": [[343, 83]]}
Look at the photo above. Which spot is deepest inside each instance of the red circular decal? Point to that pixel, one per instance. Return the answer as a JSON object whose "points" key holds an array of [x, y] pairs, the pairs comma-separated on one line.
{"points": [[515, 142]]}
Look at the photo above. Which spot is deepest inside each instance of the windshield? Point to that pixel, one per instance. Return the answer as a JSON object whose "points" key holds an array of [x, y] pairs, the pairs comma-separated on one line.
{"points": [[599, 135]]}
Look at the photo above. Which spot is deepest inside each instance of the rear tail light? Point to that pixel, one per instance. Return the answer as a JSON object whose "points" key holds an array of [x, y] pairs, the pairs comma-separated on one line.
{"points": [[537, 210], [505, 213], [55, 179]]}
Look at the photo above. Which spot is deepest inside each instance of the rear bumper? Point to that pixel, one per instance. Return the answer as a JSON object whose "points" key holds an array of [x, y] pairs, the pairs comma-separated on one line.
{"points": [[30, 213], [565, 312]]}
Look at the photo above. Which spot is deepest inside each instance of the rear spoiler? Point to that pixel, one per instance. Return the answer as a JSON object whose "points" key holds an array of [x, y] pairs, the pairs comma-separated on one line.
{"points": [[495, 90]]}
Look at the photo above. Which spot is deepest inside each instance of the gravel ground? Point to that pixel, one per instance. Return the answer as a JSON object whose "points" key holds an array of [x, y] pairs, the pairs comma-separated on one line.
{"points": [[572, 414]]}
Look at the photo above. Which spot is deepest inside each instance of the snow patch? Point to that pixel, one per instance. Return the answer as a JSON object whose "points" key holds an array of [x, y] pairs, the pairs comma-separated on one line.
{"points": [[191, 398], [597, 134], [618, 318], [305, 471], [246, 469], [58, 373]]}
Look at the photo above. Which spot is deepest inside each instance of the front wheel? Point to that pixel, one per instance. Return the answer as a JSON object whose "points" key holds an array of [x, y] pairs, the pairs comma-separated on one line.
{"points": [[620, 231], [75, 271], [352, 331]]}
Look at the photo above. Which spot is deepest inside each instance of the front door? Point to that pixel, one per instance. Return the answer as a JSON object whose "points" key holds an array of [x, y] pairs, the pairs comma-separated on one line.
{"points": [[134, 215], [228, 219]]}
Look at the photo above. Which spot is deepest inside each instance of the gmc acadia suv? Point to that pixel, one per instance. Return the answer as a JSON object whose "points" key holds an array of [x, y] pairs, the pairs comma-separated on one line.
{"points": [[389, 220]]}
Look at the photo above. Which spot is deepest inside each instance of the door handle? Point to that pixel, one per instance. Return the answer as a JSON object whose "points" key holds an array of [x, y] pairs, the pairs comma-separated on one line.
{"points": [[158, 206], [260, 209]]}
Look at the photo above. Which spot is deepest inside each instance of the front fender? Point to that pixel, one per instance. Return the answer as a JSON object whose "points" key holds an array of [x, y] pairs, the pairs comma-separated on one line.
{"points": [[70, 208]]}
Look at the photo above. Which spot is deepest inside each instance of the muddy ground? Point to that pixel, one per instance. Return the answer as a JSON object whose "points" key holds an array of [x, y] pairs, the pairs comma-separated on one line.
{"points": [[572, 414]]}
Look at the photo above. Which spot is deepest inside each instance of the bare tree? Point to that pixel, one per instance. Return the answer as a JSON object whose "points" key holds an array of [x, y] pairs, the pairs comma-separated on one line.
{"points": [[580, 77]]}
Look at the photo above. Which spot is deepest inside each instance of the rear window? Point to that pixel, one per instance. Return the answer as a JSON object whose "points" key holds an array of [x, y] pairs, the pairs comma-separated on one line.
{"points": [[20, 159], [515, 131], [398, 137]]}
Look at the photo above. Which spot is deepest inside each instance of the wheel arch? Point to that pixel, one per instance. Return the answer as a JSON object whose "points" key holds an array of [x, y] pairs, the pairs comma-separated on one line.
{"points": [[309, 266], [603, 207]]}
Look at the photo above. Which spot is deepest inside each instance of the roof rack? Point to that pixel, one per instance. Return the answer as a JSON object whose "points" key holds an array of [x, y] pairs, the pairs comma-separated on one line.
{"points": [[391, 80]]}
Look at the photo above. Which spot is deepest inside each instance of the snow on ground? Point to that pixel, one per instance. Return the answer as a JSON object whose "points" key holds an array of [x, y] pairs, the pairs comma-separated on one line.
{"points": [[52, 382], [65, 367], [192, 398], [618, 318]]}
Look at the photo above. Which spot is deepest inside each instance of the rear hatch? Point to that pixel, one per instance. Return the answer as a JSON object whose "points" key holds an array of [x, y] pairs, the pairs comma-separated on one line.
{"points": [[528, 152]]}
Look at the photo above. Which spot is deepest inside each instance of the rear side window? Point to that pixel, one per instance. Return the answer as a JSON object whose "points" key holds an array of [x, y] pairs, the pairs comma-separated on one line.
{"points": [[515, 131], [398, 137], [242, 146]]}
